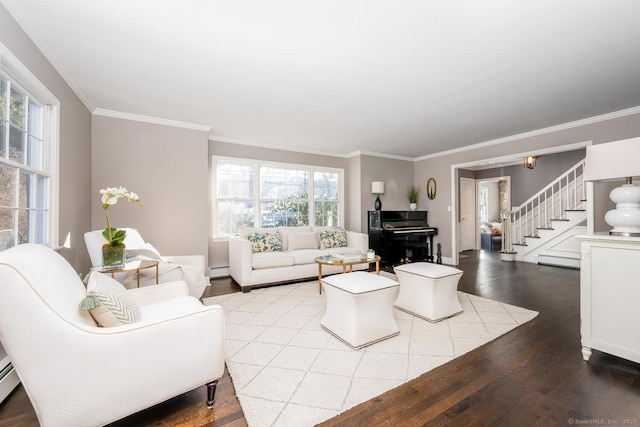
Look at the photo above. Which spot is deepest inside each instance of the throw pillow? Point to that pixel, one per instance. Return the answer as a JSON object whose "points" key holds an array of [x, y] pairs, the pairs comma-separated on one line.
{"points": [[145, 251], [333, 239], [265, 242], [495, 232], [302, 241], [109, 302]]}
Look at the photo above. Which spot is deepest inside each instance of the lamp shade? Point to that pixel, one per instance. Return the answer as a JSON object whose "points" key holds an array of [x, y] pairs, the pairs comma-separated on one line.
{"points": [[613, 160], [377, 187]]}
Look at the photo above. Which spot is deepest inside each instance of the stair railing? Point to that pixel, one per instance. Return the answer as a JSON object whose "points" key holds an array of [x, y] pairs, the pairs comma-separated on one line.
{"points": [[564, 193]]}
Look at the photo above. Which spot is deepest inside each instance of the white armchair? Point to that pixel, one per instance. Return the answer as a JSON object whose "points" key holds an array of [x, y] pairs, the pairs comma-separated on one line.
{"points": [[79, 374], [189, 268]]}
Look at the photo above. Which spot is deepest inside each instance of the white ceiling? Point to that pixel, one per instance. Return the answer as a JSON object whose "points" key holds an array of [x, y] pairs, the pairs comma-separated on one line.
{"points": [[407, 78]]}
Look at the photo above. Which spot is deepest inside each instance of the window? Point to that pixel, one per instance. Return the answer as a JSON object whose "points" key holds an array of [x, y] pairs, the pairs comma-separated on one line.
{"points": [[284, 194], [28, 148], [484, 201]]}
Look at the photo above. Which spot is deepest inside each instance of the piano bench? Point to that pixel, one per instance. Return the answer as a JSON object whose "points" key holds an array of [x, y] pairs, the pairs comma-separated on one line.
{"points": [[429, 291]]}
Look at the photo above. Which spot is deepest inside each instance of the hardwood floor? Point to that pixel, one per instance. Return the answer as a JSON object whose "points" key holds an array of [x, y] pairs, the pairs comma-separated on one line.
{"points": [[533, 375]]}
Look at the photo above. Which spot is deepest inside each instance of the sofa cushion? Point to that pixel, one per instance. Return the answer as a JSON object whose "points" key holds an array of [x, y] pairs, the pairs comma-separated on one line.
{"points": [[302, 241], [265, 242], [333, 239], [286, 231], [271, 259], [307, 256], [170, 308]]}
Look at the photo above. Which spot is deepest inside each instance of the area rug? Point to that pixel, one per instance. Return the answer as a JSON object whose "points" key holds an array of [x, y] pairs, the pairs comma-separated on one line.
{"points": [[288, 371]]}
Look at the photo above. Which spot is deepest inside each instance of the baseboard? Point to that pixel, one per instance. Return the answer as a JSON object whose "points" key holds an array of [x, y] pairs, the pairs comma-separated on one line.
{"points": [[8, 382], [218, 272], [560, 259]]}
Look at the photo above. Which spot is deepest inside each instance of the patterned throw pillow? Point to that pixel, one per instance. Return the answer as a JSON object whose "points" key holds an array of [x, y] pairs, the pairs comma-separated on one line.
{"points": [[109, 302], [265, 242], [333, 239]]}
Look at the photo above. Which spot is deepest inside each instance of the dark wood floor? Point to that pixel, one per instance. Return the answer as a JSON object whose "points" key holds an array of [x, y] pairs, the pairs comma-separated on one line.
{"points": [[534, 375]]}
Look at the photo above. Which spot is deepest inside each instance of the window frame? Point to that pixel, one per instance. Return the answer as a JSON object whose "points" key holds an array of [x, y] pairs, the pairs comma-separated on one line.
{"points": [[16, 72], [257, 165]]}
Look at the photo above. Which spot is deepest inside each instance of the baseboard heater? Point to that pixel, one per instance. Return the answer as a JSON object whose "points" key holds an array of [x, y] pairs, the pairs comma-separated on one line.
{"points": [[218, 272], [8, 376]]}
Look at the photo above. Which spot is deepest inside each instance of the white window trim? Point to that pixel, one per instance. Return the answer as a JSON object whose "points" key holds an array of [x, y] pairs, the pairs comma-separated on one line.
{"points": [[257, 164], [17, 71]]}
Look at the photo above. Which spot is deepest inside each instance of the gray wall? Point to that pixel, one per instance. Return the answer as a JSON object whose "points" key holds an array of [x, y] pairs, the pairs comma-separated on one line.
{"points": [[167, 167], [75, 142], [527, 182], [397, 175]]}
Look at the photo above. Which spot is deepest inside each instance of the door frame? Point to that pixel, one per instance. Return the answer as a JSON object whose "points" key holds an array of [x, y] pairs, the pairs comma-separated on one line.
{"points": [[493, 179], [474, 214]]}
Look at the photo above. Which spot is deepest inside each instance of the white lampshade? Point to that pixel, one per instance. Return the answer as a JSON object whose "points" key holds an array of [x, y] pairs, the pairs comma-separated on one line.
{"points": [[615, 161], [377, 187]]}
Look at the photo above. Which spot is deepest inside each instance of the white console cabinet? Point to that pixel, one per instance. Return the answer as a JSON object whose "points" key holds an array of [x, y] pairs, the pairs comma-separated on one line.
{"points": [[610, 295]]}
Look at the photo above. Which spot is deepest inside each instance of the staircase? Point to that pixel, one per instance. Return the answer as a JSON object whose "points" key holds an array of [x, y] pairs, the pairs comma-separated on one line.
{"points": [[542, 229]]}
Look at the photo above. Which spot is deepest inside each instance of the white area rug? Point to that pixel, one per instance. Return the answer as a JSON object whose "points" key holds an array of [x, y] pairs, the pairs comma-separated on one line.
{"points": [[288, 371]]}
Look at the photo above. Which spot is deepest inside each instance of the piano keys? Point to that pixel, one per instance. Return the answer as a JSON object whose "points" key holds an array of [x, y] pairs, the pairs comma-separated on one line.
{"points": [[401, 236]]}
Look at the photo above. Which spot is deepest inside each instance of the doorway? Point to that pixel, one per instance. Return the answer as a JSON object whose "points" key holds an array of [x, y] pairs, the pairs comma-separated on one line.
{"points": [[494, 197]]}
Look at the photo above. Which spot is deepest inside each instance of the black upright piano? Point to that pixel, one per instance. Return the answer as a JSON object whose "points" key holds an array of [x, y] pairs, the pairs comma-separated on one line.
{"points": [[401, 236]]}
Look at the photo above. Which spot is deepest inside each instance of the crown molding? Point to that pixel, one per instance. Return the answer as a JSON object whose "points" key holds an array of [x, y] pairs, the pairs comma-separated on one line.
{"points": [[148, 119], [382, 155], [23, 20], [238, 141], [537, 132]]}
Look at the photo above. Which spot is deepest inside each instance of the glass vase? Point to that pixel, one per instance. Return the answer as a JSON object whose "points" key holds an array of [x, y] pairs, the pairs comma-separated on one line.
{"points": [[113, 256]]}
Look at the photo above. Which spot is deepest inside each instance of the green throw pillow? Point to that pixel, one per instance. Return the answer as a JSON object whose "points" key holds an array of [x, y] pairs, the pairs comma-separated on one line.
{"points": [[265, 242], [109, 302], [333, 239]]}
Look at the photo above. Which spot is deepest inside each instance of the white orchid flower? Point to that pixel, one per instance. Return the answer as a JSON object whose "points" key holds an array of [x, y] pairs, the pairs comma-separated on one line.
{"points": [[110, 197]]}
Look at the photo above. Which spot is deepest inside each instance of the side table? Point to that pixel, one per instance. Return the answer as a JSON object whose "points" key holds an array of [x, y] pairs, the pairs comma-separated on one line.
{"points": [[130, 267]]}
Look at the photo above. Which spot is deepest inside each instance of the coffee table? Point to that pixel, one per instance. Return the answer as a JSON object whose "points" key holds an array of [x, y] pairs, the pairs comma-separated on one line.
{"points": [[347, 262]]}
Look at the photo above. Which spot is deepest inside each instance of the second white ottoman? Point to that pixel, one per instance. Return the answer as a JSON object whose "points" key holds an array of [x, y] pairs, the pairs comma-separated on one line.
{"points": [[428, 290], [360, 308]]}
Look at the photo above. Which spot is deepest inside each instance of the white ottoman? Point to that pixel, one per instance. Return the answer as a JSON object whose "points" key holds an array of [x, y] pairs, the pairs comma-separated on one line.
{"points": [[360, 308], [428, 290]]}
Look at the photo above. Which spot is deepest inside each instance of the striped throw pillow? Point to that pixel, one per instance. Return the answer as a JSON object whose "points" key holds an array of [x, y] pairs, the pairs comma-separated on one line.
{"points": [[109, 302]]}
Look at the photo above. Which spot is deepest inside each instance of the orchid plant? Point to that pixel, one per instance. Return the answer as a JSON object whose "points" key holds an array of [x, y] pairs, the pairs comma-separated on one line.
{"points": [[110, 197]]}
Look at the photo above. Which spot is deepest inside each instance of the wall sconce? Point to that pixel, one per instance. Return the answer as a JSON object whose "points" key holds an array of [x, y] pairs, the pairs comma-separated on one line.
{"points": [[530, 162], [377, 187], [614, 161]]}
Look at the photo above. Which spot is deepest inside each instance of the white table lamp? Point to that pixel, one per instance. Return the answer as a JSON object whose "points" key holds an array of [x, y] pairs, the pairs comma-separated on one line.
{"points": [[614, 161], [377, 187]]}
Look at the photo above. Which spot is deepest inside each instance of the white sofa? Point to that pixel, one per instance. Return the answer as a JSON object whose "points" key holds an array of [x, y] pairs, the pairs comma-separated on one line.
{"points": [[296, 261]]}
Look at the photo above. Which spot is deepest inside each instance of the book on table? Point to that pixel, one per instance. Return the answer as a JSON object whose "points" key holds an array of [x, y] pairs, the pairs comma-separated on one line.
{"points": [[349, 256]]}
